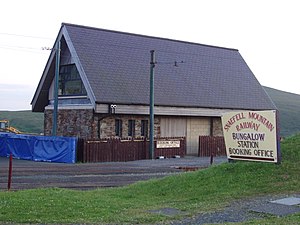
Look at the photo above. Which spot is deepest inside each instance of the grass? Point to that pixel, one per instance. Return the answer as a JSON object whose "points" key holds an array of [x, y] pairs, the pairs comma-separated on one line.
{"points": [[192, 192]]}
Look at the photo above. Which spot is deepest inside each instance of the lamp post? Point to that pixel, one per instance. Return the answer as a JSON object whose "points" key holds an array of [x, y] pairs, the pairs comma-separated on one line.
{"points": [[152, 65], [55, 108]]}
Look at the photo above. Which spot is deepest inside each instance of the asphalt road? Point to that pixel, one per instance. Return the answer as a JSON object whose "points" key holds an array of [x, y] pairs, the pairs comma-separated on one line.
{"points": [[29, 174]]}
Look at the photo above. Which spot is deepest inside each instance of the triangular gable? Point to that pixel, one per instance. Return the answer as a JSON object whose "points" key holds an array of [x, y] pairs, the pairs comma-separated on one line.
{"points": [[68, 56]]}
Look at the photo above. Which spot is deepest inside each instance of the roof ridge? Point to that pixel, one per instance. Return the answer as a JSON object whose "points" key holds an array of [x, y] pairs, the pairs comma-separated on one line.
{"points": [[146, 36]]}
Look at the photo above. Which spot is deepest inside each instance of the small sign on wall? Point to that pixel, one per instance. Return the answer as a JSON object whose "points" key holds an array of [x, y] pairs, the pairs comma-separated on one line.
{"points": [[251, 135], [168, 144]]}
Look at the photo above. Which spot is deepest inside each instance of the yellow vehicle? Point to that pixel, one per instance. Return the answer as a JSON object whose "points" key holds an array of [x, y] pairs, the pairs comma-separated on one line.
{"points": [[4, 127]]}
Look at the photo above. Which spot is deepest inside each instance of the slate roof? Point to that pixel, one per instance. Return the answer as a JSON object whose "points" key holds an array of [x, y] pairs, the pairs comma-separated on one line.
{"points": [[116, 69]]}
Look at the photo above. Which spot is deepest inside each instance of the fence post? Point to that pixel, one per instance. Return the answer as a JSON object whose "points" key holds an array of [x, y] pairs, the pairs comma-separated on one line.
{"points": [[84, 145], [9, 172], [200, 148]]}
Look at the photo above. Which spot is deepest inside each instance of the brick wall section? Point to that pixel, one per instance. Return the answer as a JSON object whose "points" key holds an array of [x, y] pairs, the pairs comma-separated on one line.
{"points": [[217, 127], [107, 125], [72, 122], [85, 124], [48, 116]]}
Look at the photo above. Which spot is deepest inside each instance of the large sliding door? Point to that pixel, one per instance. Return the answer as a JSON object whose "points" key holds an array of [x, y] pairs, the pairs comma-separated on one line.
{"points": [[189, 127], [195, 128], [173, 127]]}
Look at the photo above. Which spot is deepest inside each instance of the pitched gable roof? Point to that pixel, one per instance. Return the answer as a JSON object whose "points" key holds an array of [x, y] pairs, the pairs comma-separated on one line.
{"points": [[115, 66]]}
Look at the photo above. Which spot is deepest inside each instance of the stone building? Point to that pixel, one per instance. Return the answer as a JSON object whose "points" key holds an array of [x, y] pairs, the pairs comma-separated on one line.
{"points": [[104, 86]]}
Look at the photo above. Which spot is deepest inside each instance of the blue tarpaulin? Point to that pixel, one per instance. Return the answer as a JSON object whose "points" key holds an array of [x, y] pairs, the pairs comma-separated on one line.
{"points": [[38, 148]]}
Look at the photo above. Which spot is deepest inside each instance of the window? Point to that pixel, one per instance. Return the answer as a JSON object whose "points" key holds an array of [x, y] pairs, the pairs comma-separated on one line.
{"points": [[70, 82], [131, 128], [144, 128], [118, 127]]}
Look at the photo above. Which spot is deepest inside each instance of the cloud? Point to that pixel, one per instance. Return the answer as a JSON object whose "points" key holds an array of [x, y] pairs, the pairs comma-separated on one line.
{"points": [[15, 96]]}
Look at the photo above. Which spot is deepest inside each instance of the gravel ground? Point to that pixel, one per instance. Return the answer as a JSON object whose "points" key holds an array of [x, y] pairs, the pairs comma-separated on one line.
{"points": [[28, 174], [244, 210]]}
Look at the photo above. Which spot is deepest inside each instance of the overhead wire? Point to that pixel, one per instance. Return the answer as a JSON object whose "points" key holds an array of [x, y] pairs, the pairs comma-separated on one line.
{"points": [[24, 49], [21, 47], [26, 36]]}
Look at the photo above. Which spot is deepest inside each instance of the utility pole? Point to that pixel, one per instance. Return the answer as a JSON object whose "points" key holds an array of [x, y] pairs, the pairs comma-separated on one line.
{"points": [[55, 108], [152, 65]]}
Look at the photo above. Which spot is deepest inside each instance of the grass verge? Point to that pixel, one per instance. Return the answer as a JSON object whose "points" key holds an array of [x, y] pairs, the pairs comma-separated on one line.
{"points": [[191, 192]]}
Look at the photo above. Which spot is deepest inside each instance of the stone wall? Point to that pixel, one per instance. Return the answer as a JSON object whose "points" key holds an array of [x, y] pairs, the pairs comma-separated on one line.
{"points": [[217, 127], [72, 122], [86, 124], [107, 125]]}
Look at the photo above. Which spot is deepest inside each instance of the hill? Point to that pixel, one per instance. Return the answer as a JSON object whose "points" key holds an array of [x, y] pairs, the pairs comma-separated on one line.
{"points": [[288, 105], [25, 121]]}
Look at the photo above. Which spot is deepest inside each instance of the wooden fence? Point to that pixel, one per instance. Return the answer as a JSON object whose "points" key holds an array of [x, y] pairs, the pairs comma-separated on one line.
{"points": [[114, 150], [209, 145]]}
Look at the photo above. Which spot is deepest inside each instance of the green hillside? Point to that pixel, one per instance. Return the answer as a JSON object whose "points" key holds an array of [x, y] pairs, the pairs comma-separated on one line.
{"points": [[25, 121], [288, 105]]}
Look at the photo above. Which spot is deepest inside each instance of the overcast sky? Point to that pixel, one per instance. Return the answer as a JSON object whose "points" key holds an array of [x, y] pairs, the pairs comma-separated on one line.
{"points": [[266, 33]]}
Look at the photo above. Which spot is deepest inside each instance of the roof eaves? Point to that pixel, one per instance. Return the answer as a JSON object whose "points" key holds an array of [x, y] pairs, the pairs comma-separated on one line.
{"points": [[79, 66], [41, 83]]}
